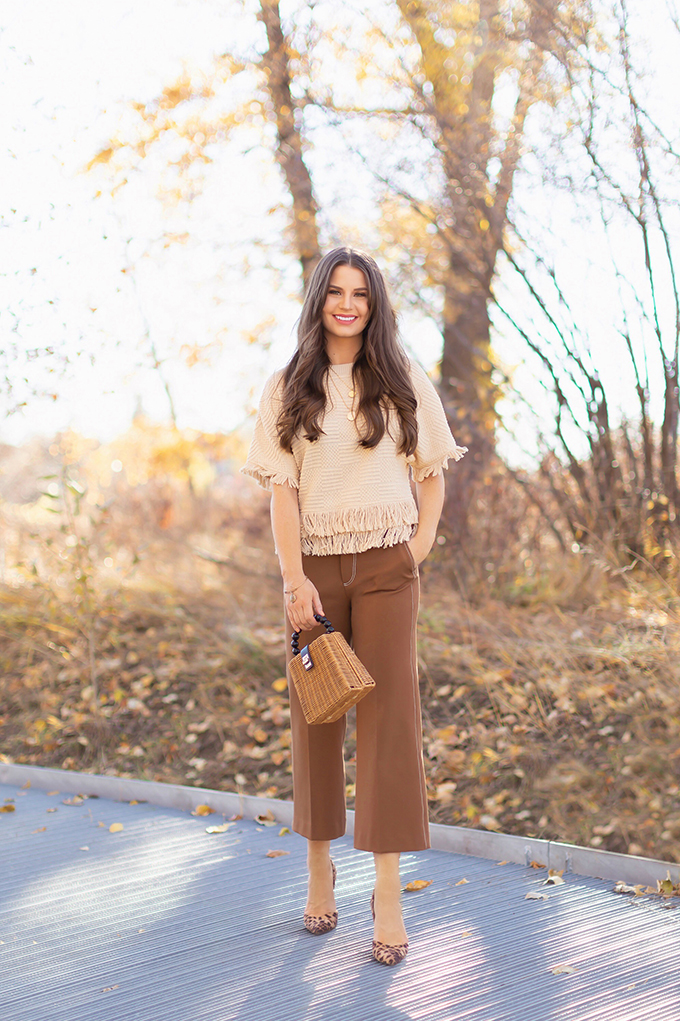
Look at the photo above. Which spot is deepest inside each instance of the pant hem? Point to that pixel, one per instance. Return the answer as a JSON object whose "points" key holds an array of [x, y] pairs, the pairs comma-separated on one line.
{"points": [[324, 836], [393, 850]]}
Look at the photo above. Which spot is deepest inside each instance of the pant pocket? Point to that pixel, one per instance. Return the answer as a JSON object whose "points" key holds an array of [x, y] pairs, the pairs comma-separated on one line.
{"points": [[412, 559]]}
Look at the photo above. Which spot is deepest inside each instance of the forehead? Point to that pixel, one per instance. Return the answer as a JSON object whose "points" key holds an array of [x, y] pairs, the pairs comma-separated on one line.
{"points": [[348, 277]]}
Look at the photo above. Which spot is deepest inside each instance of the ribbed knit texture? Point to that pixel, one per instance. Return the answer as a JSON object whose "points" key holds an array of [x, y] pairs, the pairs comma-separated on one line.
{"points": [[351, 499]]}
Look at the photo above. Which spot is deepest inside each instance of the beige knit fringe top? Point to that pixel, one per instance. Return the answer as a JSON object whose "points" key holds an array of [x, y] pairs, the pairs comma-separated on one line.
{"points": [[351, 498]]}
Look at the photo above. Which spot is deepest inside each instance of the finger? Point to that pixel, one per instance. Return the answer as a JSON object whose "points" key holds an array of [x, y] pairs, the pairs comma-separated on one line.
{"points": [[309, 618], [302, 621], [298, 616]]}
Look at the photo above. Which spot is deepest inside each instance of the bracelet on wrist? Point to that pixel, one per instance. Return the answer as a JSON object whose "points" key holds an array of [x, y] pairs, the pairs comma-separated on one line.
{"points": [[290, 592]]}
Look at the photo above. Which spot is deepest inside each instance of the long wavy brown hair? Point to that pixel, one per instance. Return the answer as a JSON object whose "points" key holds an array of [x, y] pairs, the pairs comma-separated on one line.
{"points": [[380, 372]]}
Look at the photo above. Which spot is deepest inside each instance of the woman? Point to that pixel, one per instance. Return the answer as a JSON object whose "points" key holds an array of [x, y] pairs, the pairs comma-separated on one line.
{"points": [[340, 433]]}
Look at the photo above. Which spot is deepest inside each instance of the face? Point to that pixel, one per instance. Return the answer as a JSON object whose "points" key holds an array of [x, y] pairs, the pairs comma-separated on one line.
{"points": [[346, 312]]}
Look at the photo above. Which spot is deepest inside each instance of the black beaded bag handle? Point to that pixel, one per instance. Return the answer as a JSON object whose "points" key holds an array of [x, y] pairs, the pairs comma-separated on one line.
{"points": [[294, 641]]}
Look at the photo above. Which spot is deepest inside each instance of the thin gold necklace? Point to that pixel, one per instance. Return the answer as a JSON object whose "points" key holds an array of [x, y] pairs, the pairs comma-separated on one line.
{"points": [[351, 413]]}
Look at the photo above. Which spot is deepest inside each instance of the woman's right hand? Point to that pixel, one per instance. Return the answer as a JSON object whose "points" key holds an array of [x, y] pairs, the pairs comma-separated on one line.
{"points": [[307, 603]]}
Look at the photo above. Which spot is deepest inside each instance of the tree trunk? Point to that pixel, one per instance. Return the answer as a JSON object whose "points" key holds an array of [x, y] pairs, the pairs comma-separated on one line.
{"points": [[289, 145], [468, 394], [473, 217], [669, 437]]}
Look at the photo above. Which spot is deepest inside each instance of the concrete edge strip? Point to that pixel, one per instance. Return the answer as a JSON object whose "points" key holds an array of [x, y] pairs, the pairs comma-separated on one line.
{"points": [[585, 861]]}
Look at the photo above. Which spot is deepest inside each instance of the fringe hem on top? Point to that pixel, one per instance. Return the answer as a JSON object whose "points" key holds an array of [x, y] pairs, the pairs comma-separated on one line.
{"points": [[438, 466], [378, 517], [354, 542], [265, 477]]}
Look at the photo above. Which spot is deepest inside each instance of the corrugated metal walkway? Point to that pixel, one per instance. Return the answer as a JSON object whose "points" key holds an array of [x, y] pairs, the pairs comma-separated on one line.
{"points": [[161, 921]]}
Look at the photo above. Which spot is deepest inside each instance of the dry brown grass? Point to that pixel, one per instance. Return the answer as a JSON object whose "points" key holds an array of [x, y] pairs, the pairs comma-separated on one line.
{"points": [[556, 723], [553, 711]]}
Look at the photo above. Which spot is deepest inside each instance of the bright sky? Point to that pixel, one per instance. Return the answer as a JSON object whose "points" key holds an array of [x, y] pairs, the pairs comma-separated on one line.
{"points": [[70, 70]]}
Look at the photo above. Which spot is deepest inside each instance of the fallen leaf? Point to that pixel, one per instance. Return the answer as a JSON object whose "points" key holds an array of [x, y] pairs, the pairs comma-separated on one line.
{"points": [[218, 829], [502, 863], [468, 932], [445, 791], [563, 969], [461, 881], [535, 895], [276, 854], [418, 884], [280, 684], [26, 785], [115, 827], [666, 887], [536, 865], [554, 878], [52, 794], [266, 818], [133, 802], [284, 831], [234, 818], [107, 989], [203, 810], [40, 829], [52, 809], [622, 887], [75, 800], [84, 848], [7, 808]]}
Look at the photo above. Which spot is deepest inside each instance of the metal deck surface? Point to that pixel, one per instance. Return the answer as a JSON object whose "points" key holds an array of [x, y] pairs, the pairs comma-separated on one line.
{"points": [[161, 921]]}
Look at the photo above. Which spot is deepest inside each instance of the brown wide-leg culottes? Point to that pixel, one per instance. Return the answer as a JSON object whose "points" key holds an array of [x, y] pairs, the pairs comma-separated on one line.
{"points": [[372, 598]]}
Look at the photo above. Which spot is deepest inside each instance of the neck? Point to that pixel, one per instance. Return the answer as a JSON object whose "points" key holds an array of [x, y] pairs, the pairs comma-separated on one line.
{"points": [[343, 350]]}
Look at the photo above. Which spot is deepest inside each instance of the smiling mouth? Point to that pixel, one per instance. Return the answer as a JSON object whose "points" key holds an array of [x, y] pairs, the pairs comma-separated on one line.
{"points": [[346, 319]]}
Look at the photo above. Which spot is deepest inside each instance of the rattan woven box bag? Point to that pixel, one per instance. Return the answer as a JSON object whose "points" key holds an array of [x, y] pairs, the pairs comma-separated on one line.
{"points": [[328, 677]]}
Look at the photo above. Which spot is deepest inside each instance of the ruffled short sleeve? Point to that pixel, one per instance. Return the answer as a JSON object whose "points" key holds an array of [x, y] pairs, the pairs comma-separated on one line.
{"points": [[267, 461], [436, 444]]}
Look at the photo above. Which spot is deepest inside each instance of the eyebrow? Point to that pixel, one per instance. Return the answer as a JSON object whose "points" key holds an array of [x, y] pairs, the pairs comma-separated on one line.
{"points": [[356, 290]]}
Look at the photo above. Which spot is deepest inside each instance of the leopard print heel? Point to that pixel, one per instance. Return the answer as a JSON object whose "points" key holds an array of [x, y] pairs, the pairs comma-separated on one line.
{"points": [[386, 953], [318, 924]]}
